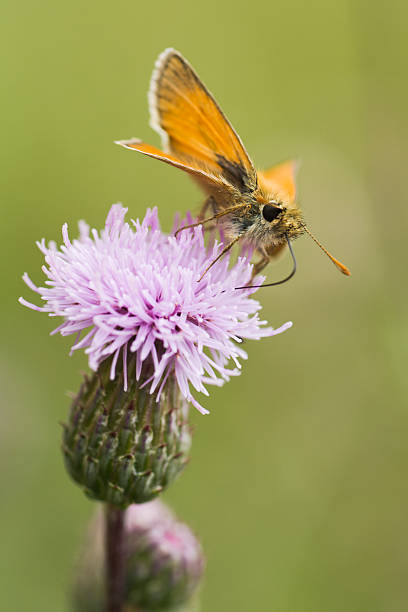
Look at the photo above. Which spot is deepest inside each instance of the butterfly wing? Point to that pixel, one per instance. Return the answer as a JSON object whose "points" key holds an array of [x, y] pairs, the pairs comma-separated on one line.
{"points": [[279, 181], [193, 127], [192, 168]]}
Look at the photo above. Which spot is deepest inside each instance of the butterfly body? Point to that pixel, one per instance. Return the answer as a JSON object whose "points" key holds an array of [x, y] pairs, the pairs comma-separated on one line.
{"points": [[250, 223], [257, 207]]}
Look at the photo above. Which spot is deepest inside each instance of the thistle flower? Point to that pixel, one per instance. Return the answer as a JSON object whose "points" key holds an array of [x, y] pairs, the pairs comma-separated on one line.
{"points": [[151, 332], [131, 290], [163, 562]]}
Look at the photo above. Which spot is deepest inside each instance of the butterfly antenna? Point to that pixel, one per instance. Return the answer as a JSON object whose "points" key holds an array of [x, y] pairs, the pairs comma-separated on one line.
{"points": [[284, 280], [336, 262]]}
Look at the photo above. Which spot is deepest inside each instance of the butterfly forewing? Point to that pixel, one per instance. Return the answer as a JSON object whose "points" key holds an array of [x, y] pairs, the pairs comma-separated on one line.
{"points": [[191, 167], [192, 126]]}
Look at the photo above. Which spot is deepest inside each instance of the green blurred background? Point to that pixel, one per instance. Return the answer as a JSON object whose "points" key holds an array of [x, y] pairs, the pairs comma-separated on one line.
{"points": [[297, 485]]}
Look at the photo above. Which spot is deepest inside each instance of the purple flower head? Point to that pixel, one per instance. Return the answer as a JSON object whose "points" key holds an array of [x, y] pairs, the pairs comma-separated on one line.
{"points": [[167, 536], [163, 562], [134, 288]]}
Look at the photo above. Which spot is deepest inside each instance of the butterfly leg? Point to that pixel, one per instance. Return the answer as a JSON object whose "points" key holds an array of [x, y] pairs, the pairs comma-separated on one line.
{"points": [[224, 250], [265, 259], [209, 204], [259, 266], [216, 216]]}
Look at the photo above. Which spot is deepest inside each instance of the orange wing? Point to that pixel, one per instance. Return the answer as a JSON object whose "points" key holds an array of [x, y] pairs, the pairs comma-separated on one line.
{"points": [[279, 181], [192, 126], [192, 168]]}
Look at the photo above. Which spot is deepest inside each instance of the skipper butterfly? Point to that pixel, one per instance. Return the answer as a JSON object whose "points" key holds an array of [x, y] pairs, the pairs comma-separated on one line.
{"points": [[256, 206]]}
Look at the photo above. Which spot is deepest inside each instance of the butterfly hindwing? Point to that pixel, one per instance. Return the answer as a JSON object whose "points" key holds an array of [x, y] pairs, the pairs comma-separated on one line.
{"points": [[279, 181]]}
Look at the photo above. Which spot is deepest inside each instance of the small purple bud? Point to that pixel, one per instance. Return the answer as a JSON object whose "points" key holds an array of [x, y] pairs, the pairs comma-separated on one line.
{"points": [[164, 563]]}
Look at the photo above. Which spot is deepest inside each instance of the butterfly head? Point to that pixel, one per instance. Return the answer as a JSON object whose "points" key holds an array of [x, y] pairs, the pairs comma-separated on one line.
{"points": [[287, 222], [282, 220]]}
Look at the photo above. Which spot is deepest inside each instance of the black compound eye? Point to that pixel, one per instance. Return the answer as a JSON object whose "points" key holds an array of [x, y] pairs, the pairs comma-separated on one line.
{"points": [[270, 212]]}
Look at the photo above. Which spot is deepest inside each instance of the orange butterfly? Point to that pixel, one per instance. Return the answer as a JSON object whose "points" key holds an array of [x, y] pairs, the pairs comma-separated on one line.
{"points": [[256, 206]]}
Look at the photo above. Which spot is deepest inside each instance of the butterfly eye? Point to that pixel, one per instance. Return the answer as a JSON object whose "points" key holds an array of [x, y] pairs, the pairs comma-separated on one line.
{"points": [[270, 212]]}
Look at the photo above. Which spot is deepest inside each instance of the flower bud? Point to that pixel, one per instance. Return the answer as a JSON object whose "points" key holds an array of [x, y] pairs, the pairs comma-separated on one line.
{"points": [[164, 563], [125, 447]]}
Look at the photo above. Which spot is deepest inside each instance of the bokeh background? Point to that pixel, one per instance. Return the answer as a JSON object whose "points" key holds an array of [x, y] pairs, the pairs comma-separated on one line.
{"points": [[298, 481]]}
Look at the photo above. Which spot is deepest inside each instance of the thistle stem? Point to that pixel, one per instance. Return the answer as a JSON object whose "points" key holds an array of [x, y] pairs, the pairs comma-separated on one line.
{"points": [[115, 558]]}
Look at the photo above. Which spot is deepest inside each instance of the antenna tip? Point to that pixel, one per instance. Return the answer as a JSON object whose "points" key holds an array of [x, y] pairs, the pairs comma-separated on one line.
{"points": [[344, 269]]}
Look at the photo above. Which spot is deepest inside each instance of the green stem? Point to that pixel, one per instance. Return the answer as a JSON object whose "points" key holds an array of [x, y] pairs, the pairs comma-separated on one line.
{"points": [[115, 558]]}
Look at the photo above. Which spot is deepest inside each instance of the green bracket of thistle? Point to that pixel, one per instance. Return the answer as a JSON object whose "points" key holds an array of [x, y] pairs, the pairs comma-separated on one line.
{"points": [[124, 447]]}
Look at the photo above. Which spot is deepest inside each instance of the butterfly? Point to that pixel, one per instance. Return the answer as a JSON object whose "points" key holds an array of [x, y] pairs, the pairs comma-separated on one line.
{"points": [[255, 206]]}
